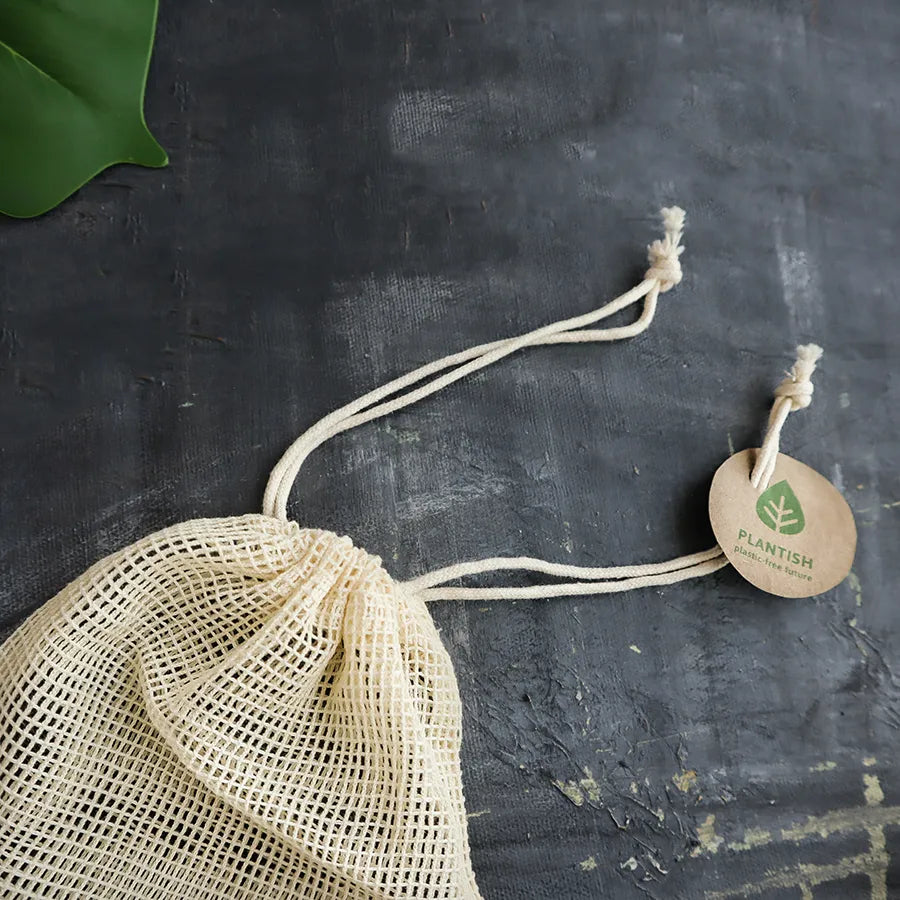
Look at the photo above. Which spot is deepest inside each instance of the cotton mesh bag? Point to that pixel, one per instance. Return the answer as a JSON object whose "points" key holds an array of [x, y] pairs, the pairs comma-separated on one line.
{"points": [[247, 708]]}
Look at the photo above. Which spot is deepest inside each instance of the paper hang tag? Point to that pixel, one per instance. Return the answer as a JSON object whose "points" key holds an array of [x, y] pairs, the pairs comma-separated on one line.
{"points": [[797, 538]]}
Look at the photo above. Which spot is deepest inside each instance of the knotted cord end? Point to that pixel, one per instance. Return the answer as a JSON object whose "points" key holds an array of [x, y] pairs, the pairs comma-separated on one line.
{"points": [[797, 385], [663, 254], [798, 390]]}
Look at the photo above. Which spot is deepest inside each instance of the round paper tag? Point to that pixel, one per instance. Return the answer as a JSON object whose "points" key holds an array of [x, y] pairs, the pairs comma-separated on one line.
{"points": [[797, 538]]}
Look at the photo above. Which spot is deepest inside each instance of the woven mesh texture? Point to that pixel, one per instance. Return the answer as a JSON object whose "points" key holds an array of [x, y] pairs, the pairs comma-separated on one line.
{"points": [[231, 708]]}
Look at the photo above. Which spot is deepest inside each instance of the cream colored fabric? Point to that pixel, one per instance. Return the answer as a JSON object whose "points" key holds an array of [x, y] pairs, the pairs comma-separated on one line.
{"points": [[231, 708], [244, 708]]}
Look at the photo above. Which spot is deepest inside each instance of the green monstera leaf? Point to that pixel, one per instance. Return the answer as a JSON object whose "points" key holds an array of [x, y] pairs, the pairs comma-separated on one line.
{"points": [[779, 508], [72, 75]]}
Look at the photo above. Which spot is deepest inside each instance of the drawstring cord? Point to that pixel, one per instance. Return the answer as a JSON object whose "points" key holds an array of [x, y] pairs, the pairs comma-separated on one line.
{"points": [[609, 580], [663, 274], [794, 393]]}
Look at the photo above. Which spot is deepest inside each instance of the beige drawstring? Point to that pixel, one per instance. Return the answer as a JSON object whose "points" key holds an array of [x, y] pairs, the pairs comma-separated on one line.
{"points": [[794, 393], [662, 275], [593, 580]]}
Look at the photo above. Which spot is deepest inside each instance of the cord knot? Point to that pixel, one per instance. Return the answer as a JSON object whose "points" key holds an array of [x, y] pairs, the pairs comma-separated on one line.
{"points": [[662, 255], [797, 385], [796, 388]]}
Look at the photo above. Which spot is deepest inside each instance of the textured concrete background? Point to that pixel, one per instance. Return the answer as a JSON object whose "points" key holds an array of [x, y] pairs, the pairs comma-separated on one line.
{"points": [[359, 187]]}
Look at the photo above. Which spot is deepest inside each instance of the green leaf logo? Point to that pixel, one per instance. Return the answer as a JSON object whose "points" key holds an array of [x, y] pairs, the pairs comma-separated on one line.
{"points": [[779, 508]]}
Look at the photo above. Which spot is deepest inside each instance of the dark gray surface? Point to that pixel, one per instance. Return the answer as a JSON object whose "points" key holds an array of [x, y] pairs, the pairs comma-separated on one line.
{"points": [[357, 188]]}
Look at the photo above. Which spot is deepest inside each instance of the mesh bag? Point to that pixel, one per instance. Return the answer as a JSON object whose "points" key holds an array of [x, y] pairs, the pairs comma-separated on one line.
{"points": [[244, 708], [232, 708]]}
